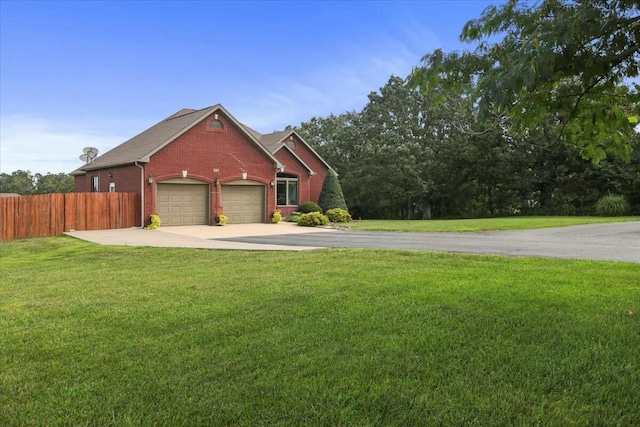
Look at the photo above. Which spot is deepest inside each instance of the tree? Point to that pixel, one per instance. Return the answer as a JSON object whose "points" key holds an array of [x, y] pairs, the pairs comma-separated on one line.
{"points": [[331, 195], [25, 183], [53, 183], [571, 61], [20, 182]]}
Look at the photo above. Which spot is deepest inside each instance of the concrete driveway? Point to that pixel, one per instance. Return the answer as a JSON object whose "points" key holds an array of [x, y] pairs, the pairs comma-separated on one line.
{"points": [[202, 236], [611, 242]]}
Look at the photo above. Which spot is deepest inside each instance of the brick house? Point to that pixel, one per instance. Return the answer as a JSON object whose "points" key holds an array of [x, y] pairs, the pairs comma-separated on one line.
{"points": [[196, 163]]}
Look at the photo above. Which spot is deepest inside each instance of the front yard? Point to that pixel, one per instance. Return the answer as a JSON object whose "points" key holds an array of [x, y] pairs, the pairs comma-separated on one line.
{"points": [[93, 335]]}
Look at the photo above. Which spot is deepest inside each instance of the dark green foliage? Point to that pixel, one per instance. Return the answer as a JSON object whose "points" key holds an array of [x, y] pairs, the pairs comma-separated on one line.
{"points": [[308, 207], [293, 218], [331, 195], [25, 183], [313, 219], [405, 157], [612, 205], [570, 60], [338, 215]]}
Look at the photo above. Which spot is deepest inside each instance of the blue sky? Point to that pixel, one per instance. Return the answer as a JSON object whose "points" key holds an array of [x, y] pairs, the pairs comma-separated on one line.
{"points": [[96, 73]]}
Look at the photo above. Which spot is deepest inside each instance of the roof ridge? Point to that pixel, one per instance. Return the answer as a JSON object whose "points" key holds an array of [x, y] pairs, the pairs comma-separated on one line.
{"points": [[183, 112]]}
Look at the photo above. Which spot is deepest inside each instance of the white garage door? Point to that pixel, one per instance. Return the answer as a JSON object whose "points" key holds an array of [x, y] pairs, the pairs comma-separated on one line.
{"points": [[243, 203], [183, 204]]}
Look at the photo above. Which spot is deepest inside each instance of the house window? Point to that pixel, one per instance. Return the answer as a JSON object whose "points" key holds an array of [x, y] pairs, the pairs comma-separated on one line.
{"points": [[112, 187], [287, 190], [95, 187], [216, 124]]}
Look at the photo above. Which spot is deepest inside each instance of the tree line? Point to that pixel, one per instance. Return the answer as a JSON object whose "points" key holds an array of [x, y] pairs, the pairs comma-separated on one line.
{"points": [[539, 122], [26, 183]]}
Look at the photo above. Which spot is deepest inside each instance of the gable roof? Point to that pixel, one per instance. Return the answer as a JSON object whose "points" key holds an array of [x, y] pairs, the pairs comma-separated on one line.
{"points": [[141, 147], [277, 140]]}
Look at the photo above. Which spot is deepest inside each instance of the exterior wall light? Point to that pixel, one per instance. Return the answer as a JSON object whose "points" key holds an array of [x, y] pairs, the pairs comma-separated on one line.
{"points": [[150, 180], [184, 174]]}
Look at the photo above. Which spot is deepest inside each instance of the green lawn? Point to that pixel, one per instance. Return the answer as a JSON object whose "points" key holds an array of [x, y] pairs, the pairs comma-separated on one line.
{"points": [[94, 335], [484, 224]]}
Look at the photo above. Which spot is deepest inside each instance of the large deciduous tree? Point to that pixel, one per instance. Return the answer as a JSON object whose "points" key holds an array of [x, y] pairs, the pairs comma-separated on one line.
{"points": [[53, 183], [19, 182], [25, 183], [573, 61]]}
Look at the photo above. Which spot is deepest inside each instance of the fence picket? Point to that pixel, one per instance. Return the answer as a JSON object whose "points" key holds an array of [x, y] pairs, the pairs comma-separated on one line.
{"points": [[52, 214]]}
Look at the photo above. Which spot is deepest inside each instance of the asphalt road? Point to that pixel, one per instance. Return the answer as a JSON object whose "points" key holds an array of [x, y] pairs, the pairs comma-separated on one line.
{"points": [[611, 242]]}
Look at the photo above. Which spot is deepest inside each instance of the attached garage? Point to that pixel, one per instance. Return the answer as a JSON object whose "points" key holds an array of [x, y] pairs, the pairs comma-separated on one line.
{"points": [[243, 203], [183, 204]]}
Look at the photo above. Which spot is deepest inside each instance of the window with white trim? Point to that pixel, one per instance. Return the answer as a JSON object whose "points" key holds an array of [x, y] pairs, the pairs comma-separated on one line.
{"points": [[95, 187], [112, 187], [287, 190]]}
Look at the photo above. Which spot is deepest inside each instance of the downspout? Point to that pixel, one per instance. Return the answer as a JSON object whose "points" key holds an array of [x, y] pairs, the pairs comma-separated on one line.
{"points": [[142, 201]]}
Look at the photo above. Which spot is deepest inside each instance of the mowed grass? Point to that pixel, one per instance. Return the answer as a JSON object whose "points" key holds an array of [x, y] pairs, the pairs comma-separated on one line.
{"points": [[95, 335], [483, 224]]}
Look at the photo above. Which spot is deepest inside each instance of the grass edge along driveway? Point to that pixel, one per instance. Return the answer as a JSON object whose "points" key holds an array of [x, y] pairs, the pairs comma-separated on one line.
{"points": [[483, 224], [151, 336]]}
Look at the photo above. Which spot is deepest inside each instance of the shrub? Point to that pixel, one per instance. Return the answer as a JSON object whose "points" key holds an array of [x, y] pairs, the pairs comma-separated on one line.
{"points": [[276, 217], [312, 219], [612, 205], [293, 218], [155, 222], [338, 215], [331, 195], [308, 207], [221, 220]]}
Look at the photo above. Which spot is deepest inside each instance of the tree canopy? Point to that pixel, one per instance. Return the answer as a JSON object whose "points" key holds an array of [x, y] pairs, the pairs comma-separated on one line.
{"points": [[570, 61], [25, 183], [405, 156]]}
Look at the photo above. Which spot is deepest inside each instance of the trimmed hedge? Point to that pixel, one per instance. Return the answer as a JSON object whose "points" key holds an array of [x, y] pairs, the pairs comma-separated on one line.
{"points": [[313, 219], [308, 207], [338, 215]]}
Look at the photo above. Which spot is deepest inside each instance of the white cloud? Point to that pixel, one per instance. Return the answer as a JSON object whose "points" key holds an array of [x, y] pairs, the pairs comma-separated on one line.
{"points": [[43, 145]]}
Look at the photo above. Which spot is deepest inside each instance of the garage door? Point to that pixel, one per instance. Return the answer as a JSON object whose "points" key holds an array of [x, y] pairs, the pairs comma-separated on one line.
{"points": [[243, 203], [183, 204]]}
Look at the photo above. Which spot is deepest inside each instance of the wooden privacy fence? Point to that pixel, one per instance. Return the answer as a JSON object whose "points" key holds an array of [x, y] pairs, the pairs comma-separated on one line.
{"points": [[52, 214]]}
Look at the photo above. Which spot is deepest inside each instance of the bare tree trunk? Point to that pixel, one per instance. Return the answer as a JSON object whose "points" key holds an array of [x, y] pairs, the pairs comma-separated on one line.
{"points": [[425, 207]]}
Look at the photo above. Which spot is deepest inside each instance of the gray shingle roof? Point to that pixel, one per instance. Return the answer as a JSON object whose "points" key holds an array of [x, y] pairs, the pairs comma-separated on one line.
{"points": [[141, 147]]}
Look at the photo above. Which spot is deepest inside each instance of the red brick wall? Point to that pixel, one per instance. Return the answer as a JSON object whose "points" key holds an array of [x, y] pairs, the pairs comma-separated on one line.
{"points": [[310, 187], [126, 178], [212, 156]]}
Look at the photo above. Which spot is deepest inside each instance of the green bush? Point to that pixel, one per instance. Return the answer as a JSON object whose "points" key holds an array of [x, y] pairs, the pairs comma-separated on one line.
{"points": [[612, 205], [293, 218], [277, 217], [331, 195], [312, 219], [338, 215], [308, 207], [154, 222]]}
